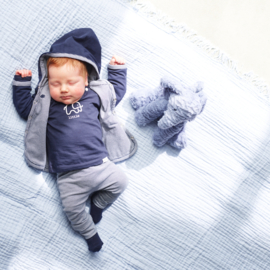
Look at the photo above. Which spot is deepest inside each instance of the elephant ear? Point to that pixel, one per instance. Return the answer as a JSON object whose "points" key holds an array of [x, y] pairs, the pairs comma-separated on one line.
{"points": [[199, 86], [142, 97], [178, 86], [203, 99], [172, 85]]}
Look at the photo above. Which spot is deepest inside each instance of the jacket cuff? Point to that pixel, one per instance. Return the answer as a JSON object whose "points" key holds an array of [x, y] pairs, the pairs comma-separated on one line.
{"points": [[117, 66], [20, 81]]}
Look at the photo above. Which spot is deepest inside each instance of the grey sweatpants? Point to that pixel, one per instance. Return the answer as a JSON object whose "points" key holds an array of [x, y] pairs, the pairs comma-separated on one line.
{"points": [[106, 181]]}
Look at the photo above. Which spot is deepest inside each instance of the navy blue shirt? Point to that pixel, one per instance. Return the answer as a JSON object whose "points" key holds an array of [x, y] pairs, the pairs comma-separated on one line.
{"points": [[74, 134]]}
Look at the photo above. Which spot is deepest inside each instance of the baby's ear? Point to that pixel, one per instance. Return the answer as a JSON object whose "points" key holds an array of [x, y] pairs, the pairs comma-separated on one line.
{"points": [[86, 80]]}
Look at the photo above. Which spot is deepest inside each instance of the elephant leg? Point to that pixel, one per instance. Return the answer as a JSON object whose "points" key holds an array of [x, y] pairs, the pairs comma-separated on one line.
{"points": [[179, 140], [161, 136], [150, 112]]}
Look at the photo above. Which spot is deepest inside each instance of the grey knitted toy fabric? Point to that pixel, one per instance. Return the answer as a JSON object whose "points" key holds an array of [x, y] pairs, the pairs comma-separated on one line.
{"points": [[173, 104]]}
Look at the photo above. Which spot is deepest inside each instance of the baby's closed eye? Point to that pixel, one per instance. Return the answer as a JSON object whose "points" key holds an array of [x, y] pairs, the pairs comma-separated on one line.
{"points": [[72, 82], [54, 84]]}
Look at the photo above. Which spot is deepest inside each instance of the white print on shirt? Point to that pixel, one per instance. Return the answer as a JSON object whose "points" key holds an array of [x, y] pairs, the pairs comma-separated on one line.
{"points": [[74, 116], [76, 109]]}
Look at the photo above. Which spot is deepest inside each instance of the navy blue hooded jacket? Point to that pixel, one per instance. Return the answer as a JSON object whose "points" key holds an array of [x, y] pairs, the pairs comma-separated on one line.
{"points": [[70, 127]]}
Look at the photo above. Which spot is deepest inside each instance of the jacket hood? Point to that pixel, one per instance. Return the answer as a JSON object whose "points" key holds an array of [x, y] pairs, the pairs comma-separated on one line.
{"points": [[81, 44]]}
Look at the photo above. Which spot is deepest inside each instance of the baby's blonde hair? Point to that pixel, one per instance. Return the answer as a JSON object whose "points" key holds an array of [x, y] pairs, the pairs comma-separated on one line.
{"points": [[61, 61]]}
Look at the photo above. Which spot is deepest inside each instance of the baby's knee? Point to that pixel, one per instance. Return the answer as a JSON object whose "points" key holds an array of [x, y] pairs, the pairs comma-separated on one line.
{"points": [[122, 182], [117, 181]]}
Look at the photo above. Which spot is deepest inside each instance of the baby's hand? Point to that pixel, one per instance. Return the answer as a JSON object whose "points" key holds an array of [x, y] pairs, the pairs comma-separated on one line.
{"points": [[24, 73], [117, 60]]}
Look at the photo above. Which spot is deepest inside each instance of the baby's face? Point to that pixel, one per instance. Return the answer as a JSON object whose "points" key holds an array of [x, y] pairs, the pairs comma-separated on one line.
{"points": [[66, 84]]}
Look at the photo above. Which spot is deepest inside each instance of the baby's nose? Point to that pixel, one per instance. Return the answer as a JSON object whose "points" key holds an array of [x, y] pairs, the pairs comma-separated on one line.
{"points": [[64, 88]]}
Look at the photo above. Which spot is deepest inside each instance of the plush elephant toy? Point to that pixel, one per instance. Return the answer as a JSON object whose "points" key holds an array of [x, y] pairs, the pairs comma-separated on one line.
{"points": [[173, 104]]}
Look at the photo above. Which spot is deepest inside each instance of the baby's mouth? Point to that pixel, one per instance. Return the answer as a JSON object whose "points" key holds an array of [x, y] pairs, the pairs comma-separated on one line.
{"points": [[65, 97]]}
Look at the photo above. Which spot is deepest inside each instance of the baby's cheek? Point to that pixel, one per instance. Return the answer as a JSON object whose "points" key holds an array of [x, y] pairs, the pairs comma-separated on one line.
{"points": [[54, 94], [79, 91]]}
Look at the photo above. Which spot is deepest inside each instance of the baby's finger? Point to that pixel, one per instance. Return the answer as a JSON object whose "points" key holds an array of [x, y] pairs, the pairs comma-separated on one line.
{"points": [[18, 72], [23, 72], [112, 61], [26, 73], [120, 60]]}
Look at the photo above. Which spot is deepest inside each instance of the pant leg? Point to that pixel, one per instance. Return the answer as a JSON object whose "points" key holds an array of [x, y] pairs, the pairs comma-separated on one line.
{"points": [[114, 183], [75, 188]]}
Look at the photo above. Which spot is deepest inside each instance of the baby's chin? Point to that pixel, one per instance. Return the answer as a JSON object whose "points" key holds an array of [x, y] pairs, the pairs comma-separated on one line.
{"points": [[67, 101]]}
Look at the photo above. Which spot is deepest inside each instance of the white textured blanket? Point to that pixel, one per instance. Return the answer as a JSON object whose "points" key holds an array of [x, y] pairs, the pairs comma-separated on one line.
{"points": [[207, 207]]}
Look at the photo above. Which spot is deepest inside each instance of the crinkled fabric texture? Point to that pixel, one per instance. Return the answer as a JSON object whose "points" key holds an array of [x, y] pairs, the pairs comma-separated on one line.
{"points": [[206, 207]]}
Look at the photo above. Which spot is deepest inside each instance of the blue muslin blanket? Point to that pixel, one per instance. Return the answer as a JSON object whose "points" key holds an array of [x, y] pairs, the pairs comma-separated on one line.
{"points": [[206, 207]]}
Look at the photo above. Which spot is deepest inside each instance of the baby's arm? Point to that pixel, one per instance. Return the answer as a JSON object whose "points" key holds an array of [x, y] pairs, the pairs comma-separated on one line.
{"points": [[117, 73], [22, 98]]}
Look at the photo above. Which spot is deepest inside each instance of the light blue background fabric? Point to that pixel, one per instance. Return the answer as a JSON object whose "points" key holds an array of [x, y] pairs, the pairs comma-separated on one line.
{"points": [[206, 207]]}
